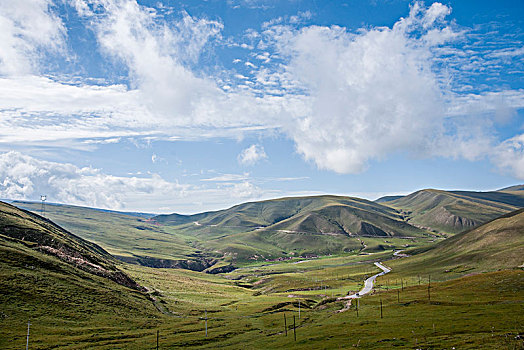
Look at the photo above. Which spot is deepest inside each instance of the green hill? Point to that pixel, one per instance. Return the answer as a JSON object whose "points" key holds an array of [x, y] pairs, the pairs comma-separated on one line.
{"points": [[296, 226], [498, 244], [61, 282], [307, 215], [269, 229], [130, 237], [30, 230], [455, 211], [513, 188]]}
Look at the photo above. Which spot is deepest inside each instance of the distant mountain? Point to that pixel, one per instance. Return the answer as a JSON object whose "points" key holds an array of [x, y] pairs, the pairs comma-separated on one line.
{"points": [[27, 230], [305, 215], [455, 211], [300, 225], [387, 199], [498, 244], [513, 188]]}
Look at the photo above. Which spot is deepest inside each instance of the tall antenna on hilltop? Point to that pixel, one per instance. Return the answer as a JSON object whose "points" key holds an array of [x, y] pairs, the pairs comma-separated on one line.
{"points": [[42, 208]]}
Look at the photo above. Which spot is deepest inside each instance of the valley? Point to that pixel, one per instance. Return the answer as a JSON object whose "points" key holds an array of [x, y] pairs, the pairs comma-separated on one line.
{"points": [[266, 272]]}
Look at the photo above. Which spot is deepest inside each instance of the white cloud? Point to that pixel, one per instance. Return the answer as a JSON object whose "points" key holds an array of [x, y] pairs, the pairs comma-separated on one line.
{"points": [[345, 98], [23, 177], [380, 91], [252, 155], [509, 156], [246, 190], [26, 28], [228, 178], [370, 94]]}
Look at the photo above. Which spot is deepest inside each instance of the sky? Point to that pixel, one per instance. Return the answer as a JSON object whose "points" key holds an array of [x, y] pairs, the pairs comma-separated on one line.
{"points": [[165, 106]]}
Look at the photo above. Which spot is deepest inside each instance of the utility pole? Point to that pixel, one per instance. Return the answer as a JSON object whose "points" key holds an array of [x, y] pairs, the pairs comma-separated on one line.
{"points": [[380, 308], [294, 331], [157, 339], [42, 208], [429, 286], [206, 322], [27, 342], [285, 324]]}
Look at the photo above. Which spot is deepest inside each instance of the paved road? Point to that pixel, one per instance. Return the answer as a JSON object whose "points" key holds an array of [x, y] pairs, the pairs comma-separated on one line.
{"points": [[368, 284]]}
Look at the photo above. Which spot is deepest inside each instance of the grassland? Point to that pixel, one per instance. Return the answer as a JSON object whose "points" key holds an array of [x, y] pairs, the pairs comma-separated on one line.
{"points": [[455, 211], [125, 236], [235, 235], [465, 292], [247, 308]]}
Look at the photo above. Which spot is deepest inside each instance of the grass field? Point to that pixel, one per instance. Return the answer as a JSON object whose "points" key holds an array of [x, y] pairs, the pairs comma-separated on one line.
{"points": [[248, 307], [441, 298]]}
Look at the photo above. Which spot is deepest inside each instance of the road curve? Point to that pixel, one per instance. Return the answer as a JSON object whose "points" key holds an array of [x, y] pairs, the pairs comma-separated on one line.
{"points": [[368, 284]]}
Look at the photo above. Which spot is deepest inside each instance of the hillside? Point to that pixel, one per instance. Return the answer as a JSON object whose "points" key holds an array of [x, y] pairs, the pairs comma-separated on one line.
{"points": [[455, 211], [307, 215], [498, 244], [58, 281], [129, 237], [296, 226], [25, 228], [512, 188]]}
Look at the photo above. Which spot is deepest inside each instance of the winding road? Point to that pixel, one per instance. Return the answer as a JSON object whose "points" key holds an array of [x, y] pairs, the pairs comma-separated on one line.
{"points": [[368, 284]]}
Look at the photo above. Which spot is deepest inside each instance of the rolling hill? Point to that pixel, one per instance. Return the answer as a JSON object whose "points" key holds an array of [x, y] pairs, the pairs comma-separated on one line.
{"points": [[498, 244], [130, 237], [30, 230], [306, 215], [296, 226], [58, 281], [455, 211]]}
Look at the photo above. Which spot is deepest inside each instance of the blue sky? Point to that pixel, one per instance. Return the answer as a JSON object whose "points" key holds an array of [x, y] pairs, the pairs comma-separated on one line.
{"points": [[169, 106]]}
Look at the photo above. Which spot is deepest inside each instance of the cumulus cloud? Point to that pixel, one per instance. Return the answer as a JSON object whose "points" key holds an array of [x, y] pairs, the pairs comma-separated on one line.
{"points": [[370, 94], [345, 98], [509, 156], [27, 27], [252, 155], [23, 177]]}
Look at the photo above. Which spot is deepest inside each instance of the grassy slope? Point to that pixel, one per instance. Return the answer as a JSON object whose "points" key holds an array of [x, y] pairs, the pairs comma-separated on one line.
{"points": [[456, 211], [295, 226], [318, 214], [498, 244], [290, 226], [67, 297], [73, 310], [122, 235]]}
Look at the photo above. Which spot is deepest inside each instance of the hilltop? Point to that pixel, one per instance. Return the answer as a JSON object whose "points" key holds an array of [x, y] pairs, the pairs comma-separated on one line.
{"points": [[455, 211], [296, 226], [498, 244]]}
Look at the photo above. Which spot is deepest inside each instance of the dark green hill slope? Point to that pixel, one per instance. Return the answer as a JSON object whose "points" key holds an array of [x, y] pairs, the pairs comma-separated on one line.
{"points": [[296, 226], [129, 237], [306, 215], [513, 188], [456, 211], [498, 244], [21, 227], [61, 282]]}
